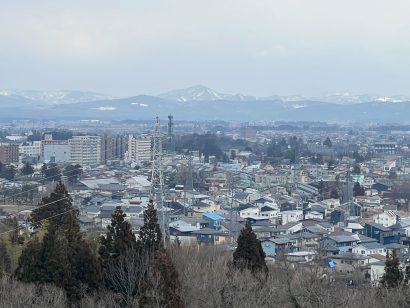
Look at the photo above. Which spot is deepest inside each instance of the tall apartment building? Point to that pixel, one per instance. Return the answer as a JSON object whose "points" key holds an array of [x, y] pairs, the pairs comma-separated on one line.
{"points": [[55, 151], [139, 148], [9, 153], [30, 150], [113, 147], [85, 150]]}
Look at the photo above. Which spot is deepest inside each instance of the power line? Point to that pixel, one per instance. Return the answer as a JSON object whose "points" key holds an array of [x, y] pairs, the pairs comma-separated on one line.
{"points": [[34, 188], [35, 222], [52, 176]]}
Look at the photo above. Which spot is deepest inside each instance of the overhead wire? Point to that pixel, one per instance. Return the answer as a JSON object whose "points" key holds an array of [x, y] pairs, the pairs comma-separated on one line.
{"points": [[43, 205]]}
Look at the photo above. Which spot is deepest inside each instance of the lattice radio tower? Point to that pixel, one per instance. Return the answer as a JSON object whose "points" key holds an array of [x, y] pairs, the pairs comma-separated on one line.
{"points": [[157, 178]]}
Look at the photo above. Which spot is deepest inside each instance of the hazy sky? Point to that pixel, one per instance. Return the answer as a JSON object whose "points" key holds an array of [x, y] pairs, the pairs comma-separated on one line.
{"points": [[259, 47]]}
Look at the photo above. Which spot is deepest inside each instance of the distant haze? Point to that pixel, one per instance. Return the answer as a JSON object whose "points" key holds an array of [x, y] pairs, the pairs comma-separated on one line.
{"points": [[257, 47]]}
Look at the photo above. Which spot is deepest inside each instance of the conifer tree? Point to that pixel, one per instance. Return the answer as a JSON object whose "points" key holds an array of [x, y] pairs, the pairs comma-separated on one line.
{"points": [[249, 253], [60, 257], [162, 287], [58, 202], [29, 268], [5, 261], [150, 233], [407, 275], [120, 258], [393, 275], [119, 238]]}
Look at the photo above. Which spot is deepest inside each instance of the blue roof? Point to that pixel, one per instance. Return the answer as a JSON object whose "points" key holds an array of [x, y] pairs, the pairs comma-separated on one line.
{"points": [[212, 216]]}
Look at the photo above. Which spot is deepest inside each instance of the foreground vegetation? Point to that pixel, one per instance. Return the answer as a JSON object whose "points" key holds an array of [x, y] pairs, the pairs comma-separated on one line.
{"points": [[60, 267]]}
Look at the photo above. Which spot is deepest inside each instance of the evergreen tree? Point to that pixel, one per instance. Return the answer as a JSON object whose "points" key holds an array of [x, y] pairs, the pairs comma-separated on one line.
{"points": [[29, 267], [51, 172], [150, 233], [27, 169], [393, 275], [407, 275], [63, 257], [118, 240], [5, 261], [73, 172], [58, 202], [162, 288], [121, 260], [358, 190], [327, 142], [249, 253]]}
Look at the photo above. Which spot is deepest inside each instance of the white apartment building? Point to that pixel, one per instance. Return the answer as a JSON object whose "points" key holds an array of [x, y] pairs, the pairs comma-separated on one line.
{"points": [[55, 151], [139, 148], [30, 149], [85, 150]]}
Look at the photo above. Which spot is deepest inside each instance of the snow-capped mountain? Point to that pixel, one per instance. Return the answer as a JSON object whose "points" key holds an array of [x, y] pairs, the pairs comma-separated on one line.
{"points": [[195, 93], [202, 93], [56, 97]]}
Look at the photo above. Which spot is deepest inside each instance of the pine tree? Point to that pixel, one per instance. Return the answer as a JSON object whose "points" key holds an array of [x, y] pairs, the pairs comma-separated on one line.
{"points": [[393, 275], [63, 257], [150, 233], [162, 287], [249, 253]]}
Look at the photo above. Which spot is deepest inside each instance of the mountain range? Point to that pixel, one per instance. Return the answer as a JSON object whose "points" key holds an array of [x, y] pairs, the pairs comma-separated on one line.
{"points": [[202, 103]]}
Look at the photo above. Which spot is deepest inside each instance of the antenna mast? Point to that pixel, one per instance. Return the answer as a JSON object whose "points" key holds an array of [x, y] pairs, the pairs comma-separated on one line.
{"points": [[157, 178]]}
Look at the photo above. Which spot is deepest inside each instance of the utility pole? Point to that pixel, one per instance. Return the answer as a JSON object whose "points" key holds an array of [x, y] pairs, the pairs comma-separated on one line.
{"points": [[157, 179]]}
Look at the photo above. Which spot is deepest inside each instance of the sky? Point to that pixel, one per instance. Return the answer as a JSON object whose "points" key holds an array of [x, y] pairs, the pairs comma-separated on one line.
{"points": [[257, 47]]}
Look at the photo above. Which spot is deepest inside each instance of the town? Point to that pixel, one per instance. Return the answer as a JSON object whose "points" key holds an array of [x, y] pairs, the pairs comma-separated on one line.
{"points": [[312, 192]]}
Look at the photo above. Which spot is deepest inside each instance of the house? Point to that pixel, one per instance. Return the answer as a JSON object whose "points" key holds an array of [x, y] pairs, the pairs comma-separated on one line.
{"points": [[214, 219], [343, 241], [267, 211], [300, 256], [369, 248], [375, 230], [291, 216], [384, 235], [354, 227], [386, 219], [208, 236], [232, 229], [349, 263], [86, 223], [264, 232], [277, 246], [291, 227], [331, 204], [404, 225], [250, 211], [313, 215]]}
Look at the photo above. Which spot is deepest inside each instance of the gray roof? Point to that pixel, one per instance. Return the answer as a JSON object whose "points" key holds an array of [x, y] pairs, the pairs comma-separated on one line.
{"points": [[233, 226], [372, 245], [378, 226], [208, 231], [343, 238]]}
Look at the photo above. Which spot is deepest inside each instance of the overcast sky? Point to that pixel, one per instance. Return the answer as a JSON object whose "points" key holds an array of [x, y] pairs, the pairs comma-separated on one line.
{"points": [[259, 47]]}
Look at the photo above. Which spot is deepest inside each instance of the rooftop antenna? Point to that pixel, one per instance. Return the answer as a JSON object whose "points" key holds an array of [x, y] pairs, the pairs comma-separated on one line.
{"points": [[157, 177]]}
